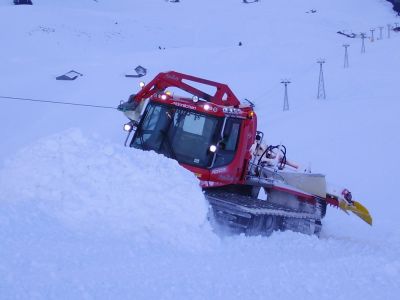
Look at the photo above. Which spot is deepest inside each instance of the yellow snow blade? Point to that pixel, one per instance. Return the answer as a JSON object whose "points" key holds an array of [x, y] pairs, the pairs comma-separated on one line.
{"points": [[358, 209]]}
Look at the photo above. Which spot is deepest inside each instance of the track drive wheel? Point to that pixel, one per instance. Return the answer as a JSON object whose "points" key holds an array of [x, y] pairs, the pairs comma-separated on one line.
{"points": [[270, 225], [261, 225]]}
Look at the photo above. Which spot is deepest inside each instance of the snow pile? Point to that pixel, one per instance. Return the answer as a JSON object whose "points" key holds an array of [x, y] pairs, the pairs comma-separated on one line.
{"points": [[102, 189]]}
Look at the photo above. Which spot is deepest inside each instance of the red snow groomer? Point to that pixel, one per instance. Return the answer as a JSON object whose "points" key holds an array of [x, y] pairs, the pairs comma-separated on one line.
{"points": [[251, 186]]}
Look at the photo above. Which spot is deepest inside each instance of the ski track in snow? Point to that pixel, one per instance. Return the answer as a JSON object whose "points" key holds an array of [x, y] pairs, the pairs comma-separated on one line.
{"points": [[82, 217]]}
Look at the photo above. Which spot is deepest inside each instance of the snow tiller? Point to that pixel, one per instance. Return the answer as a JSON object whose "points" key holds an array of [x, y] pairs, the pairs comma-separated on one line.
{"points": [[251, 186]]}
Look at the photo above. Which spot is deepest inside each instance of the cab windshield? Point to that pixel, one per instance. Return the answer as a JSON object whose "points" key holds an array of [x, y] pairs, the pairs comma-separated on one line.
{"points": [[178, 133]]}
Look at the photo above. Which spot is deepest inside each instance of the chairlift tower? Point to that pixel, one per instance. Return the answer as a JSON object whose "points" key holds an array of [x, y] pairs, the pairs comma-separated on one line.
{"points": [[346, 56], [363, 37], [389, 27], [321, 82], [372, 34], [285, 82]]}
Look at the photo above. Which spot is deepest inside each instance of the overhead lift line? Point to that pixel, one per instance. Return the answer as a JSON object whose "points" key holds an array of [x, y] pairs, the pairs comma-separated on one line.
{"points": [[57, 102]]}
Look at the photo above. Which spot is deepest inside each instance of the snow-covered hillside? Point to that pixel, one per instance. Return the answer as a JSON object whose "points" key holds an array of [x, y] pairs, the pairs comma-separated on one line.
{"points": [[82, 217]]}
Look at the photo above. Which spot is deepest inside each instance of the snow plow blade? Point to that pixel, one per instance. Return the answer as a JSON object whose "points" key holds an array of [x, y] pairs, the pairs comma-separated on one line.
{"points": [[358, 209]]}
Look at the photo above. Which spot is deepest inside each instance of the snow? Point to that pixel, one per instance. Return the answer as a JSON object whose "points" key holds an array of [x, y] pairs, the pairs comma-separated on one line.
{"points": [[83, 217], [87, 183]]}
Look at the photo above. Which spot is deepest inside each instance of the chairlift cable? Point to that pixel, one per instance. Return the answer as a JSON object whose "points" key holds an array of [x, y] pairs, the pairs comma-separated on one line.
{"points": [[57, 102]]}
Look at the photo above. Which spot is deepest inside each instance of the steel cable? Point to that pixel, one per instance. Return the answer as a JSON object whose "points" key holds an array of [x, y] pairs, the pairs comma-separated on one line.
{"points": [[57, 102]]}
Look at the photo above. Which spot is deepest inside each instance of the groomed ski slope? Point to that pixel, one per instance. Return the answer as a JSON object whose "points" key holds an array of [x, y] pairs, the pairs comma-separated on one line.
{"points": [[82, 217]]}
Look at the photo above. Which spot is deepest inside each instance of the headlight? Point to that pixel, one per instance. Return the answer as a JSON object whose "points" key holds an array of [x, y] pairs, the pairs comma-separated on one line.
{"points": [[128, 127], [213, 148], [142, 84]]}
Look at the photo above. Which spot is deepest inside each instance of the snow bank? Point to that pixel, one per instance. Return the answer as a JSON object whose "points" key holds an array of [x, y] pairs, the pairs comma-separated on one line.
{"points": [[96, 187]]}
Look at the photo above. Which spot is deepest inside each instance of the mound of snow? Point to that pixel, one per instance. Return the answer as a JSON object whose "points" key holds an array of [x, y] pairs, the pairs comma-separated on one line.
{"points": [[91, 186]]}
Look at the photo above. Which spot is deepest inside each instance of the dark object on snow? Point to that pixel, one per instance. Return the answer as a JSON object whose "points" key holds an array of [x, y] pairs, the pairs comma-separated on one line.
{"points": [[240, 44], [312, 11], [396, 29], [19, 2], [250, 1], [174, 1], [396, 5], [140, 72], [350, 35], [71, 75]]}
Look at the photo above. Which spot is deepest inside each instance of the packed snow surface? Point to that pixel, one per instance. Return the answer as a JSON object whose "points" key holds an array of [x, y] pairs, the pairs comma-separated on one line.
{"points": [[82, 217]]}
